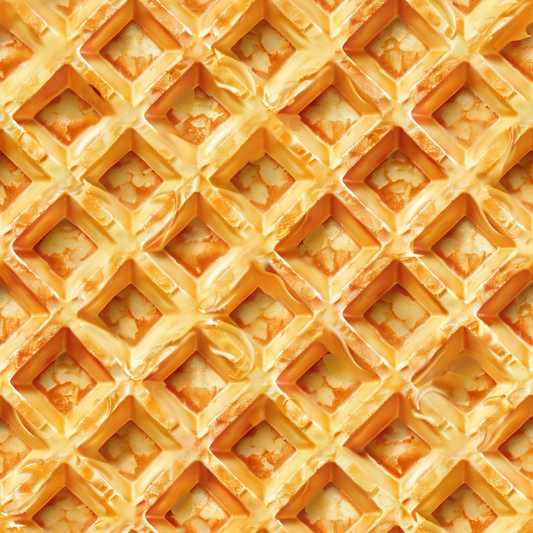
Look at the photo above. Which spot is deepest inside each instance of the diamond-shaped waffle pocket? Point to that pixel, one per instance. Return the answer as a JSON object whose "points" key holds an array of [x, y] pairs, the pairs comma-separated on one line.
{"points": [[197, 246], [197, 501], [18, 52], [395, 47], [131, 50], [22, 180], [131, 174], [65, 510], [63, 381], [464, 496], [263, 448], [512, 43], [132, 447], [133, 311], [19, 45], [330, 114], [195, 113], [510, 450], [462, 241], [461, 112], [263, 49], [395, 312], [507, 313], [518, 181], [267, 313], [197, 238], [515, 175], [395, 178], [63, 245], [329, 248], [262, 180], [461, 379], [19, 447], [66, 502], [13, 182], [266, 42], [395, 447], [195, 381], [331, 500], [328, 381], [21, 313], [65, 114]]}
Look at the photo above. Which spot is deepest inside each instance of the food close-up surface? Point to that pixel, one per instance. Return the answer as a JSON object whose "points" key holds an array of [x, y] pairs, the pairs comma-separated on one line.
{"points": [[266, 266]]}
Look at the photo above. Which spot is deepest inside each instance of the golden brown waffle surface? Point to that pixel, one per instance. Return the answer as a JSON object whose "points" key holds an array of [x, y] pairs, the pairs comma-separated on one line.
{"points": [[266, 266]]}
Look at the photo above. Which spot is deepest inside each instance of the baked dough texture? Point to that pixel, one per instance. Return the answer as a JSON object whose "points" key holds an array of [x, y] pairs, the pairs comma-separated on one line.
{"points": [[266, 266]]}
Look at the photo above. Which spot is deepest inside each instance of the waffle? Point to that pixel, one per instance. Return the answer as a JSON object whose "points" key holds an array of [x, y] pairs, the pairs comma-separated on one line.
{"points": [[266, 266]]}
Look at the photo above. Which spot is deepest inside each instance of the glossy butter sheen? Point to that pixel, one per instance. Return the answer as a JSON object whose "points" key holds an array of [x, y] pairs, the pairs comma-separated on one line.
{"points": [[266, 266]]}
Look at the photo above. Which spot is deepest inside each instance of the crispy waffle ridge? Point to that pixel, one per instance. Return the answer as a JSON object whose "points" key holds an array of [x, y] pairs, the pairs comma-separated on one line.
{"points": [[266, 266]]}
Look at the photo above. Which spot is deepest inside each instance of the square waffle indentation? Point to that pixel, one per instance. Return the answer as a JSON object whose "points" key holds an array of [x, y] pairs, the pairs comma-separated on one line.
{"points": [[464, 510], [13, 52], [130, 315], [65, 248], [130, 450], [465, 116], [397, 49], [12, 315], [263, 450], [520, 55], [396, 316], [67, 117], [329, 510], [330, 116], [131, 181], [466, 383], [329, 247], [64, 383], [330, 383], [197, 511], [518, 449], [12, 449], [262, 317], [263, 49], [65, 513], [397, 181], [196, 115], [398, 448], [197, 247], [196, 383], [131, 51], [518, 182], [518, 315], [464, 248], [13, 182], [263, 182]]}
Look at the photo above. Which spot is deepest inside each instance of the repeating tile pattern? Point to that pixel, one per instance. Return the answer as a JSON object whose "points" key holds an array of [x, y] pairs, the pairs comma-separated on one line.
{"points": [[266, 266]]}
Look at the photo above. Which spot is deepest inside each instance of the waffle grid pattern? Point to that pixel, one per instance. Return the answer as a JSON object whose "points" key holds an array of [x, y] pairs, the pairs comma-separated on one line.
{"points": [[266, 266]]}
